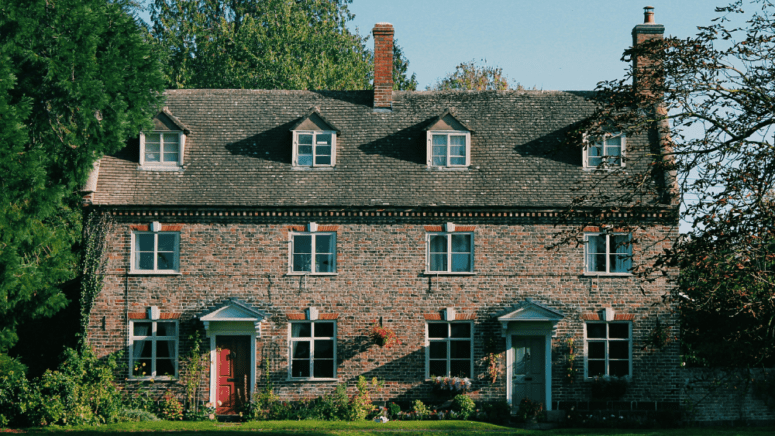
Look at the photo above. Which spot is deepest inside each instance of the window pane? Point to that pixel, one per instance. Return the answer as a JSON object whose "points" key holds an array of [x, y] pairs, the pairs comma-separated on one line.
{"points": [[165, 261], [324, 368], [439, 161], [300, 349], [153, 137], [596, 244], [596, 262], [165, 367], [438, 330], [439, 140], [323, 138], [144, 242], [305, 139], [461, 243], [460, 368], [170, 138], [457, 140], [614, 140], [596, 330], [322, 160], [619, 349], [165, 349], [324, 244], [324, 349], [595, 368], [457, 160], [620, 263], [165, 329], [620, 244], [619, 331], [438, 243], [460, 349], [461, 263], [305, 150], [324, 329], [438, 262], [437, 350], [619, 368], [300, 368], [437, 367], [141, 367], [144, 261], [595, 150], [167, 242], [301, 330], [596, 350], [152, 157], [152, 147], [460, 330], [305, 160], [302, 244], [170, 157], [302, 262], [457, 151], [324, 263], [141, 329]]}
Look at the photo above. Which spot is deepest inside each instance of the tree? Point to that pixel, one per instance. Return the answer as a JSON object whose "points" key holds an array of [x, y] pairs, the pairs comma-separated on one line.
{"points": [[710, 101], [470, 76], [261, 44], [76, 80], [402, 82]]}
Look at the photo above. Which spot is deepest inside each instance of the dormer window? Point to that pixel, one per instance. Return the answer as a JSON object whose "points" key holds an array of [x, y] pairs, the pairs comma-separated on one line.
{"points": [[314, 149], [605, 152], [449, 143], [314, 141], [162, 148]]}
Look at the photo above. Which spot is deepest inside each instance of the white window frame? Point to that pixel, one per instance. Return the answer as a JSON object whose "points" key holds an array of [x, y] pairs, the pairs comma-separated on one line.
{"points": [[312, 272], [311, 340], [608, 253], [161, 163], [449, 359], [449, 271], [588, 143], [155, 270], [607, 340], [429, 151], [314, 134], [153, 339]]}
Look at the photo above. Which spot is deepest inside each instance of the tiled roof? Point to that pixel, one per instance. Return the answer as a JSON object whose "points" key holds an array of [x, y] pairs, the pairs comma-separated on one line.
{"points": [[238, 151]]}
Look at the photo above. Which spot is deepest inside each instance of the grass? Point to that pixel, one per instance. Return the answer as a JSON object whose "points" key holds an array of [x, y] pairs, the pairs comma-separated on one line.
{"points": [[403, 428]]}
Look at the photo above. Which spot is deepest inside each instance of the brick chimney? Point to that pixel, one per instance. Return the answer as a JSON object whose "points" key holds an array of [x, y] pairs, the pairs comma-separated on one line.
{"points": [[383, 65], [641, 33]]}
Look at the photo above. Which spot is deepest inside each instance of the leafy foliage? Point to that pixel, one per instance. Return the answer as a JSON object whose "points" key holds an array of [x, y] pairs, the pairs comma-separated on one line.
{"points": [[464, 406], [708, 101], [470, 76], [264, 44], [76, 79]]}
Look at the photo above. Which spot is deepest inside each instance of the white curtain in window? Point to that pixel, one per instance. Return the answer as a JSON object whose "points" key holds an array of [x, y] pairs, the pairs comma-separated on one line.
{"points": [[140, 329]]}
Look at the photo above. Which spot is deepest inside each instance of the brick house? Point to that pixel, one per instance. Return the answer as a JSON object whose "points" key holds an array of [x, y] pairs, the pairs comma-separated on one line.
{"points": [[284, 225]]}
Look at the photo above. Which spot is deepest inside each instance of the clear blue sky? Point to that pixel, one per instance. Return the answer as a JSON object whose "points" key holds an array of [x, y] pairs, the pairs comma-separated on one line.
{"points": [[550, 44]]}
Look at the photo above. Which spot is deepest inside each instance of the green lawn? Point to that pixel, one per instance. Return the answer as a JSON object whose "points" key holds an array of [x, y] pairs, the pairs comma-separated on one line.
{"points": [[403, 428]]}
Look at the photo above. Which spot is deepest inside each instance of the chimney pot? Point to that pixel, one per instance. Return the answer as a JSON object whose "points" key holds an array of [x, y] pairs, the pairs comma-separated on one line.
{"points": [[383, 65], [648, 15]]}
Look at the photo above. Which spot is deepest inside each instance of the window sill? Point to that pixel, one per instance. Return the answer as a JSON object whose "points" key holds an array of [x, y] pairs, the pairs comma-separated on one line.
{"points": [[291, 379], [607, 169], [464, 168], [160, 167], [444, 273], [310, 274], [300, 168], [155, 379], [602, 274], [155, 273]]}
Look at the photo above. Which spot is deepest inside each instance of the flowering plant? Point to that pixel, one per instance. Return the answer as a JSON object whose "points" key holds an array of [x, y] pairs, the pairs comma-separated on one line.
{"points": [[453, 384], [383, 336]]}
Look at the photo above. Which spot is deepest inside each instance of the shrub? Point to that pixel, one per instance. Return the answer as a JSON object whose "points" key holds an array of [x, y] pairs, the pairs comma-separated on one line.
{"points": [[394, 410], [14, 392], [360, 404], [136, 415], [464, 406], [529, 409], [170, 408], [419, 409], [497, 412]]}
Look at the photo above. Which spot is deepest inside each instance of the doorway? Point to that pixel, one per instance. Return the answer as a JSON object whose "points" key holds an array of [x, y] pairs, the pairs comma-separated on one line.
{"points": [[233, 373], [529, 370]]}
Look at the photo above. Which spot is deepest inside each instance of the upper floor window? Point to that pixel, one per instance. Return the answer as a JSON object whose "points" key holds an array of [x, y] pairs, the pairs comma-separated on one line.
{"points": [[155, 252], [449, 149], [450, 349], [450, 252], [605, 152], [609, 350], [313, 350], [607, 253], [314, 148], [153, 349], [161, 149], [313, 252]]}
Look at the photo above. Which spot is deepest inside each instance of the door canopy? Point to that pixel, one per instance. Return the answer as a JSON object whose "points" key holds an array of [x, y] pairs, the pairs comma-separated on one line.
{"points": [[530, 310], [233, 310]]}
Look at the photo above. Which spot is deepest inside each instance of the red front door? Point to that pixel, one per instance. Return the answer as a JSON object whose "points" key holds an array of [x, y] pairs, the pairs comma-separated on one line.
{"points": [[233, 373]]}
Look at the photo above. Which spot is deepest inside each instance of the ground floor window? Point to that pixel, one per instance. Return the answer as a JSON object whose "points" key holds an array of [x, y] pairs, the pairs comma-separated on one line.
{"points": [[313, 350], [609, 350], [449, 349], [153, 349]]}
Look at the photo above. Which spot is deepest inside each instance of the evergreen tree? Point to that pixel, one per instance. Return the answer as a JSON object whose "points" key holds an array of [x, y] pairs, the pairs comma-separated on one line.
{"points": [[76, 80]]}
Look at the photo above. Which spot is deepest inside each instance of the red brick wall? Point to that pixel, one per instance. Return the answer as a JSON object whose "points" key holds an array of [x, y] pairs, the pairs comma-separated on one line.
{"points": [[381, 265]]}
